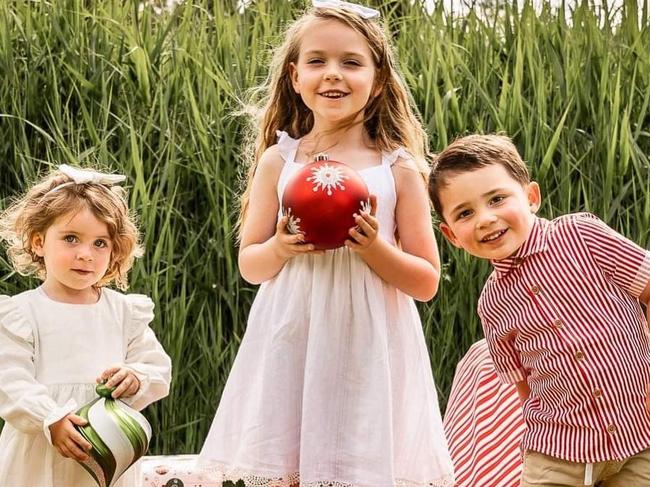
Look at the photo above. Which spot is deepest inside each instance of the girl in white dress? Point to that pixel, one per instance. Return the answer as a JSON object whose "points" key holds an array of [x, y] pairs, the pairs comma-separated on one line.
{"points": [[73, 230], [332, 385]]}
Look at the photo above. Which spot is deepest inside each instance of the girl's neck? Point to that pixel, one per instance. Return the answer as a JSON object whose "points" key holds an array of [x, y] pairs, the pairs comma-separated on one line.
{"points": [[63, 294], [322, 139]]}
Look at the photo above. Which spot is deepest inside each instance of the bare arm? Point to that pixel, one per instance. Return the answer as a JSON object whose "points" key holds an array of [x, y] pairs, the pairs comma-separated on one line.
{"points": [[266, 245], [523, 390], [415, 267]]}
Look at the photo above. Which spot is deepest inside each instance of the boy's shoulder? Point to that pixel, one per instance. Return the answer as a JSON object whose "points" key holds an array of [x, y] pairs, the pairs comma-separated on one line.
{"points": [[563, 227], [576, 219]]}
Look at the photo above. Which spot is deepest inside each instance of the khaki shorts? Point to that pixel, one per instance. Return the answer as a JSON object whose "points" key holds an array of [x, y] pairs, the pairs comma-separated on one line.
{"points": [[544, 471]]}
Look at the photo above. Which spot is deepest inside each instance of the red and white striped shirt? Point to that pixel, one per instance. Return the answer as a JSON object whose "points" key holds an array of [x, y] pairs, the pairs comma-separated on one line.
{"points": [[563, 314], [483, 424]]}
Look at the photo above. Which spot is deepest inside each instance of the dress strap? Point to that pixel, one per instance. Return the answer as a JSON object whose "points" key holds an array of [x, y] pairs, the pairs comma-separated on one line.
{"points": [[287, 146], [389, 158]]}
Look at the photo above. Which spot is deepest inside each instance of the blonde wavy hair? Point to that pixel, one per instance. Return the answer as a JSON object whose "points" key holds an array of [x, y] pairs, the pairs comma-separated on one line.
{"points": [[37, 210], [389, 118]]}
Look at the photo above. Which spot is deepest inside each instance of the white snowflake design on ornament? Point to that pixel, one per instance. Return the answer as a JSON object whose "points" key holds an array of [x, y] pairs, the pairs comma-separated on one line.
{"points": [[293, 223], [328, 178], [366, 206]]}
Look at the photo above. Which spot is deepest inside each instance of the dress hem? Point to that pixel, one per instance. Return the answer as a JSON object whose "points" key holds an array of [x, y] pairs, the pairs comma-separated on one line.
{"points": [[224, 474]]}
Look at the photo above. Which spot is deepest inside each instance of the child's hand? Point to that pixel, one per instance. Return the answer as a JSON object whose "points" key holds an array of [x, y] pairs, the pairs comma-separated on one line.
{"points": [[366, 231], [289, 245], [67, 440], [123, 379]]}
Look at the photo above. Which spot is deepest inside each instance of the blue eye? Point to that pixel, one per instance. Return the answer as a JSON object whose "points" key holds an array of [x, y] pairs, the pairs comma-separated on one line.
{"points": [[101, 243], [70, 238]]}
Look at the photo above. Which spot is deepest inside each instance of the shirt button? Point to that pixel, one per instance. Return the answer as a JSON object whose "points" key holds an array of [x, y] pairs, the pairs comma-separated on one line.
{"points": [[558, 323], [535, 290], [597, 392], [579, 356], [611, 429]]}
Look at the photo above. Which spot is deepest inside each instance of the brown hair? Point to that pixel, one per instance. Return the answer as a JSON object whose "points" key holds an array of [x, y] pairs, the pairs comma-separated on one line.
{"points": [[43, 204], [470, 153], [389, 118]]}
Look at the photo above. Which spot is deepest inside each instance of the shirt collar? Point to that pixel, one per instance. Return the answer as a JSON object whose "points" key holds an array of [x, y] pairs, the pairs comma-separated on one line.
{"points": [[535, 243]]}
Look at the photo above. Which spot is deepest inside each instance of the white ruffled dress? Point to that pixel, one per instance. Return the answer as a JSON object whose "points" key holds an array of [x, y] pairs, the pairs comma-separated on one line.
{"points": [[50, 356], [332, 384]]}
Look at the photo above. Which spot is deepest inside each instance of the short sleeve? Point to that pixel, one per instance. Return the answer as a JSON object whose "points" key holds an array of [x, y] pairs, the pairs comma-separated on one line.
{"points": [[619, 258], [507, 363]]}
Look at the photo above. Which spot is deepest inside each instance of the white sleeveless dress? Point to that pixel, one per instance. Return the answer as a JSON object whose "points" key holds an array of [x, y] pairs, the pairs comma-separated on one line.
{"points": [[332, 384]]}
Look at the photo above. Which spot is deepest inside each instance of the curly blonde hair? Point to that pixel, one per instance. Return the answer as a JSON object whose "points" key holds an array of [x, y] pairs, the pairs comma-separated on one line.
{"points": [[36, 210], [389, 118]]}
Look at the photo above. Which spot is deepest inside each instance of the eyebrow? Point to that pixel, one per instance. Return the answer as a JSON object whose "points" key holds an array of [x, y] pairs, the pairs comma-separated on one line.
{"points": [[347, 53], [484, 195]]}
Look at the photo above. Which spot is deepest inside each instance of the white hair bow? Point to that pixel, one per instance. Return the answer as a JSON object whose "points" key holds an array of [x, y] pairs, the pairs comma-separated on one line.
{"points": [[81, 176], [362, 11]]}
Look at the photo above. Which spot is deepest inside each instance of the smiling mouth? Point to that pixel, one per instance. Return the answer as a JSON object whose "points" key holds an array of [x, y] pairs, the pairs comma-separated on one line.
{"points": [[333, 94], [493, 236]]}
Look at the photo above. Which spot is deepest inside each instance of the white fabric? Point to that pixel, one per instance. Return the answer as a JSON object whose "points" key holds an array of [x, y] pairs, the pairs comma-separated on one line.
{"points": [[362, 11], [332, 383], [81, 176], [50, 356]]}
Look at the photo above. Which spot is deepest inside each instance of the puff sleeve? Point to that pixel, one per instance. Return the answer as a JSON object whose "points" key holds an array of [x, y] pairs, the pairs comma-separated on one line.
{"points": [[24, 402], [145, 355]]}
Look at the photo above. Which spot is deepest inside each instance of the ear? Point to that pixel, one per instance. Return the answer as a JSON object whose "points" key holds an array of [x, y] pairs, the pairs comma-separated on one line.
{"points": [[376, 91], [293, 74], [449, 235], [534, 196], [38, 240]]}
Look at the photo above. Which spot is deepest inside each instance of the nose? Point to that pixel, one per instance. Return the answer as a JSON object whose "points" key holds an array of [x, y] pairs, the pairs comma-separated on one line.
{"points": [[85, 253], [332, 74], [485, 219]]}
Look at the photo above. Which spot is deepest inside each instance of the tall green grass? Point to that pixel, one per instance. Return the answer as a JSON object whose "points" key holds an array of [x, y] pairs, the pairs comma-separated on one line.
{"points": [[152, 97]]}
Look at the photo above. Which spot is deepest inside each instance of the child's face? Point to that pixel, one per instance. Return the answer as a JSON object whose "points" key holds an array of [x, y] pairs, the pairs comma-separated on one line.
{"points": [[487, 212], [335, 72], [77, 252]]}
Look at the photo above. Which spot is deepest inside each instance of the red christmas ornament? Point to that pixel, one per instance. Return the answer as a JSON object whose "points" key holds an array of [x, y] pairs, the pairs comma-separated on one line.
{"points": [[320, 201]]}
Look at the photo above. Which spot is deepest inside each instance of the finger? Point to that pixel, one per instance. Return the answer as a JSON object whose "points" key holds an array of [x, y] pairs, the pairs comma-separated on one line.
{"points": [[78, 420], [281, 226], [63, 450], [120, 389], [364, 224], [133, 389], [76, 452], [117, 377], [373, 204], [81, 441], [358, 237], [303, 248], [352, 245]]}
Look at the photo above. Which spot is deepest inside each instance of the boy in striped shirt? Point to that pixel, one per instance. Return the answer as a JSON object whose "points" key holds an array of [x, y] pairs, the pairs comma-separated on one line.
{"points": [[561, 314]]}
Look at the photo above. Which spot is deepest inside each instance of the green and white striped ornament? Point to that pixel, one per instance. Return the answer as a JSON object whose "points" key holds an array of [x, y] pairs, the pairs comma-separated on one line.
{"points": [[119, 435]]}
